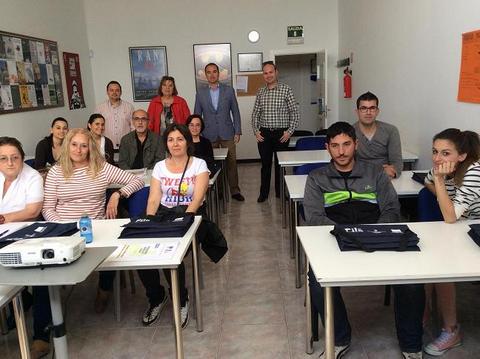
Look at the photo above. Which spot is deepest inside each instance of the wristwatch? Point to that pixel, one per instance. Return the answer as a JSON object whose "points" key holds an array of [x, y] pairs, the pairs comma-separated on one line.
{"points": [[2, 219]]}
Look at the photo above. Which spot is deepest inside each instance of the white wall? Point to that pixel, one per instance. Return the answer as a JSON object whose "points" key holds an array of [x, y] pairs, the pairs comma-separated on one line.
{"points": [[408, 53], [58, 20], [114, 25]]}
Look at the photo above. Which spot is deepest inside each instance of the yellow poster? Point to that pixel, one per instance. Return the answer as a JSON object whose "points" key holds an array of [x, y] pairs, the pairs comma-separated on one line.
{"points": [[469, 82]]}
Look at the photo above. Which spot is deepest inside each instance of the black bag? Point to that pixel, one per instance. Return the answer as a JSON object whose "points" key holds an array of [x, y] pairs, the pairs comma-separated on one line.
{"points": [[474, 233], [41, 230], [419, 177], [159, 226], [370, 238]]}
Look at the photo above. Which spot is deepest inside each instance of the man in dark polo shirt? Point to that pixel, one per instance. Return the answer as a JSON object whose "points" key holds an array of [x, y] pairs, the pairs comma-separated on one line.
{"points": [[140, 148]]}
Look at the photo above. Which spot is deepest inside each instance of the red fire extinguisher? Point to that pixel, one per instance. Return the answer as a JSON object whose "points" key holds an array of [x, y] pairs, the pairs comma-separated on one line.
{"points": [[347, 83]]}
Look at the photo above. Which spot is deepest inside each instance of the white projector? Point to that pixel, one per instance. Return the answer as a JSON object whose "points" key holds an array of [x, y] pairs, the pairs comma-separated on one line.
{"points": [[42, 251]]}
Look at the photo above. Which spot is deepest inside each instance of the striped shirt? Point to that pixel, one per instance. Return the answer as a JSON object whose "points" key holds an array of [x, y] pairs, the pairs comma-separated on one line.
{"points": [[275, 108], [118, 120], [465, 198], [69, 199]]}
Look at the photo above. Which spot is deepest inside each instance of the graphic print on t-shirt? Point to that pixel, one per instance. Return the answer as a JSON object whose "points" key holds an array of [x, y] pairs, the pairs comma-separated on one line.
{"points": [[173, 196]]}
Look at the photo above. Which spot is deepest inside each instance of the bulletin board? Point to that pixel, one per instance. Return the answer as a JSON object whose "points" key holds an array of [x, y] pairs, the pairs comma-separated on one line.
{"points": [[255, 82], [30, 77]]}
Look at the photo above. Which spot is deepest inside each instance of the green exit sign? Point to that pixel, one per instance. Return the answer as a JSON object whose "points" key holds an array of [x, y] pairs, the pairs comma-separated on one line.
{"points": [[295, 34]]}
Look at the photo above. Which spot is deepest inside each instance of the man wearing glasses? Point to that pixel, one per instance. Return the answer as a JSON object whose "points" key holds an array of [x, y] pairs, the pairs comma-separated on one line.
{"points": [[140, 148], [378, 142]]}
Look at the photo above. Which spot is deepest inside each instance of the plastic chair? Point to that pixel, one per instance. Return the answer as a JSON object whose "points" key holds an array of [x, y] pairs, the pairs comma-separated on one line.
{"points": [[322, 132], [137, 202], [428, 209], [30, 162], [310, 143], [302, 133]]}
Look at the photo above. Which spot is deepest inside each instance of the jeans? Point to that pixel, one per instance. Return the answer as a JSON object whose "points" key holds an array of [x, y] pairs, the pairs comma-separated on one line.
{"points": [[268, 148], [155, 291], [409, 306]]}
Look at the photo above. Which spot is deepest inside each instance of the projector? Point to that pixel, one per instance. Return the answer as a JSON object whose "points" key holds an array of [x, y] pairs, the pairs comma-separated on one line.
{"points": [[42, 251]]}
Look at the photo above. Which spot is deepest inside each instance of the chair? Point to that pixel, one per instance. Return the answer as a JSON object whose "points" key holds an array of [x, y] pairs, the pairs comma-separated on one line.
{"points": [[30, 162], [310, 143], [299, 133], [428, 209], [307, 168], [322, 132], [137, 202]]}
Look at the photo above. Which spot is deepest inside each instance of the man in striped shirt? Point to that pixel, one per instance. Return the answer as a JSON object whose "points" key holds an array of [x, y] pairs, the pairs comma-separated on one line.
{"points": [[274, 119], [117, 113]]}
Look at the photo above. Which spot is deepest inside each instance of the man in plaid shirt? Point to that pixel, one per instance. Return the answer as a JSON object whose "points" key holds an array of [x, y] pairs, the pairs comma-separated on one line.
{"points": [[274, 119]]}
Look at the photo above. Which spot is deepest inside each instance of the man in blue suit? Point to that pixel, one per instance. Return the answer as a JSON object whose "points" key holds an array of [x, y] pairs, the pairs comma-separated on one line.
{"points": [[218, 106]]}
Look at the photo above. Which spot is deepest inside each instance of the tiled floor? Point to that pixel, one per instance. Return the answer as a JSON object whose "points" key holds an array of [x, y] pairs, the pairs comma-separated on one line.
{"points": [[251, 307]]}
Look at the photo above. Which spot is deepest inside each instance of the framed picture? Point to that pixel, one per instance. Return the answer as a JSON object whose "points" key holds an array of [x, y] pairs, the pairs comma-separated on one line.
{"points": [[250, 62], [148, 65], [30, 77], [219, 54]]}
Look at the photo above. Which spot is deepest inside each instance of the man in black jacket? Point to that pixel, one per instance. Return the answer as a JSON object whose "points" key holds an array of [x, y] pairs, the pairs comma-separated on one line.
{"points": [[347, 191]]}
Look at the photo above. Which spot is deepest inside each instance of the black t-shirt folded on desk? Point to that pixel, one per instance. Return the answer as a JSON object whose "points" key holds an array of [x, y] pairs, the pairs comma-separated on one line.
{"points": [[159, 226], [41, 230], [474, 233], [370, 238], [419, 177]]}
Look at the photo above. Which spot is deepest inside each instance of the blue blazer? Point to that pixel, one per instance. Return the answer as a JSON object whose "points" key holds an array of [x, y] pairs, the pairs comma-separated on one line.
{"points": [[224, 122]]}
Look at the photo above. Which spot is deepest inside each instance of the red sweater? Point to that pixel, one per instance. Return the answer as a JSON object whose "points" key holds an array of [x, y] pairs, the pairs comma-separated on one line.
{"points": [[180, 112]]}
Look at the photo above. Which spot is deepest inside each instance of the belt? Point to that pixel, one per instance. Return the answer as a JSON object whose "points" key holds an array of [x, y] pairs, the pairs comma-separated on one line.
{"points": [[271, 129]]}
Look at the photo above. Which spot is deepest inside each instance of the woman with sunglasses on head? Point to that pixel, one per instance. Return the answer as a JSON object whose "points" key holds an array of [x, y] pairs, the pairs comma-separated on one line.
{"points": [[180, 180], [96, 125], [48, 149], [455, 180]]}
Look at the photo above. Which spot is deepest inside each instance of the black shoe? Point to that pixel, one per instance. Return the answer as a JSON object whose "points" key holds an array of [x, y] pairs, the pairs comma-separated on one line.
{"points": [[238, 196], [261, 198]]}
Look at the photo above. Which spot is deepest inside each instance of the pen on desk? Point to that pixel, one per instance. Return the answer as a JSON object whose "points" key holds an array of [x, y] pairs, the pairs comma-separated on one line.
{"points": [[3, 233]]}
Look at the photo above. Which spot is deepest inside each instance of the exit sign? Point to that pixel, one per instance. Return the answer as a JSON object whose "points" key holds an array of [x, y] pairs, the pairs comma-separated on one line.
{"points": [[295, 34]]}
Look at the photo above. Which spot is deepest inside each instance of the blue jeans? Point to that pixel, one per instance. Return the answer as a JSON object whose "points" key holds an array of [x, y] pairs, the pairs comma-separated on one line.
{"points": [[409, 306]]}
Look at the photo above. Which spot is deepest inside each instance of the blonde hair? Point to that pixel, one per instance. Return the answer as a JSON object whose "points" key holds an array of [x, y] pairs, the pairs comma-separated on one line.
{"points": [[95, 159]]}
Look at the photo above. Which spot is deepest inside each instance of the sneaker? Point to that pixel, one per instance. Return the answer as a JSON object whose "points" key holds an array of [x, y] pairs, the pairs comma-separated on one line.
{"points": [[153, 312], [39, 349], [184, 315], [417, 355], [238, 197], [340, 351], [445, 341]]}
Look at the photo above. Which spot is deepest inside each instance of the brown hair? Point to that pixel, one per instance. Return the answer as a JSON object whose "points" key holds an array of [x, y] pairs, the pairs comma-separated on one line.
{"points": [[162, 82]]}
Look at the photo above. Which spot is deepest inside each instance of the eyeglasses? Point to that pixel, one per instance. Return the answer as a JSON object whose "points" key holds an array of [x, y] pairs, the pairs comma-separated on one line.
{"points": [[140, 119], [364, 109], [14, 158]]}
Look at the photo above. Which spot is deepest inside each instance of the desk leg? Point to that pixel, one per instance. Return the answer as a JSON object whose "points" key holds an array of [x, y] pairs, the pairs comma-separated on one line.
{"points": [[176, 313], [21, 327], [329, 324], [224, 187], [308, 308], [59, 331], [282, 196], [298, 269], [217, 205], [292, 228], [197, 287], [116, 295]]}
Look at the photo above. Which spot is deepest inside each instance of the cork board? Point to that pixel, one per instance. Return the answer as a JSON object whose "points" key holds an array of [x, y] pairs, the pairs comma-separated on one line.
{"points": [[255, 81]]}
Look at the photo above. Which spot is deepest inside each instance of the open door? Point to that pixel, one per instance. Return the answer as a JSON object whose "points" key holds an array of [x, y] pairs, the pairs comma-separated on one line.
{"points": [[321, 84]]}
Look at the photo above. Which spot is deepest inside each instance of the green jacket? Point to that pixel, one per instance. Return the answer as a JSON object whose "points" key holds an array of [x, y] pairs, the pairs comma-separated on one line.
{"points": [[153, 150]]}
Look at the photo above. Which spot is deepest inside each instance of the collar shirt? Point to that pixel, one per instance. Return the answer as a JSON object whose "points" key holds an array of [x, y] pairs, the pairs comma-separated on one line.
{"points": [[214, 95], [117, 120]]}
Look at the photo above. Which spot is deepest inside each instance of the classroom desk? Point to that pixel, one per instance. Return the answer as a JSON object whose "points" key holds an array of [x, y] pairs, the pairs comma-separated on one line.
{"points": [[438, 241], [404, 185], [106, 232], [298, 158], [220, 154], [13, 294], [54, 277]]}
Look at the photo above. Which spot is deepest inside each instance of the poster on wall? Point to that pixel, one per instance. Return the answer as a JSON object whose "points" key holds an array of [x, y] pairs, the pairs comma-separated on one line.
{"points": [[148, 65], [71, 64], [30, 77], [219, 54], [469, 82]]}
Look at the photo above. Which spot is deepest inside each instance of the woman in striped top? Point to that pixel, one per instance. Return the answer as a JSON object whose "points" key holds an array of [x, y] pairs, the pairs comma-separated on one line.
{"points": [[455, 180], [77, 185]]}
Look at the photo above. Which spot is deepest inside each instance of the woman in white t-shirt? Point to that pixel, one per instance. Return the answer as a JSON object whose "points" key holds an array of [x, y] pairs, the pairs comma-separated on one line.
{"points": [[179, 180], [455, 180], [21, 186]]}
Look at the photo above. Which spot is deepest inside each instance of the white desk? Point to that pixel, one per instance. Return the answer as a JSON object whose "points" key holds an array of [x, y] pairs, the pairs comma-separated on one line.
{"points": [[439, 241], [220, 154], [106, 232], [405, 186], [13, 294]]}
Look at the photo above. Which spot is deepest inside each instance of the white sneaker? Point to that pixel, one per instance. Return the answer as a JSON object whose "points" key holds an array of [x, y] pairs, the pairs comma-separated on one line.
{"points": [[340, 351], [152, 313], [184, 315], [417, 355], [445, 341]]}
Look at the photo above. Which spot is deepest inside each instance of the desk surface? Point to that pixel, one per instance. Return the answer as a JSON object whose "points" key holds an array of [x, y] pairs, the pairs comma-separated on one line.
{"points": [[447, 254], [296, 158], [70, 274], [404, 185], [106, 232]]}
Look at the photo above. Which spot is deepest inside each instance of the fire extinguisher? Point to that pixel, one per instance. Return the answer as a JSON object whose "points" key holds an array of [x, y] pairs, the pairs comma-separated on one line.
{"points": [[347, 83]]}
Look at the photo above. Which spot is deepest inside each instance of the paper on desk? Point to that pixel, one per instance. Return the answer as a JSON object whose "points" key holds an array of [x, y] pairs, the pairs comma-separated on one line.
{"points": [[146, 251]]}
